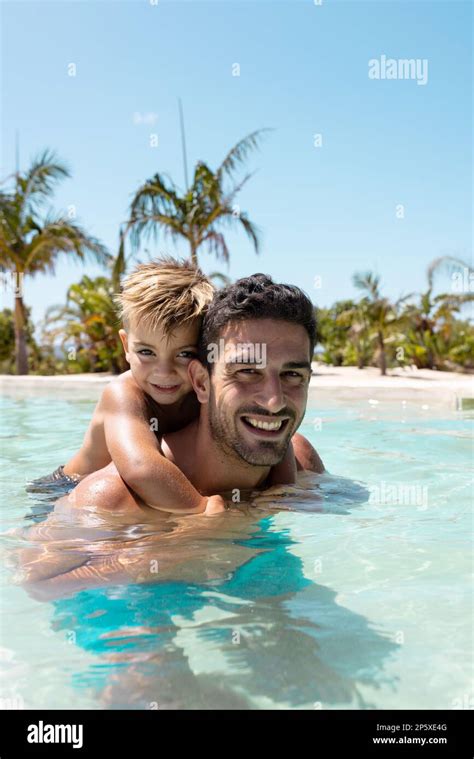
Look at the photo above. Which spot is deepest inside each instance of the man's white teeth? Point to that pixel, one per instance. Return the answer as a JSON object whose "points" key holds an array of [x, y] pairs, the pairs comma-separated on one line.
{"points": [[264, 425]]}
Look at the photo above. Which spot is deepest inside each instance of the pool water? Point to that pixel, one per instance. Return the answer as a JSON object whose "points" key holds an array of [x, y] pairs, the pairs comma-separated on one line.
{"points": [[352, 592]]}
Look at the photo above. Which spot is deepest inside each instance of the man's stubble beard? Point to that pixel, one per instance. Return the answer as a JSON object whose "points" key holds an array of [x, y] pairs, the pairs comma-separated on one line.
{"points": [[224, 431]]}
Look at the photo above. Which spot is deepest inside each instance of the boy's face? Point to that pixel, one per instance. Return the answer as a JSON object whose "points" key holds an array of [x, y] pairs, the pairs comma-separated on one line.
{"points": [[159, 362]]}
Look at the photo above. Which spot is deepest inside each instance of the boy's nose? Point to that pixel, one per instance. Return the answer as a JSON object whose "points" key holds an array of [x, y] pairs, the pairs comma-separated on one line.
{"points": [[163, 370]]}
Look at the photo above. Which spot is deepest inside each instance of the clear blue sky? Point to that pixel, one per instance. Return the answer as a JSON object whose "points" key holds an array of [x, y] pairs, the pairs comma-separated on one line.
{"points": [[325, 211]]}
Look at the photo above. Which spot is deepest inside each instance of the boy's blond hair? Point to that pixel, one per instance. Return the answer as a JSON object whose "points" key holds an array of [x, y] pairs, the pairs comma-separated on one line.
{"points": [[165, 293]]}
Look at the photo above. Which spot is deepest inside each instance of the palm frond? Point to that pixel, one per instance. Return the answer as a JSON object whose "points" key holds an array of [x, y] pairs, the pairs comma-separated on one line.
{"points": [[238, 154], [251, 230], [217, 245], [147, 227], [37, 184], [229, 198], [60, 235], [367, 281]]}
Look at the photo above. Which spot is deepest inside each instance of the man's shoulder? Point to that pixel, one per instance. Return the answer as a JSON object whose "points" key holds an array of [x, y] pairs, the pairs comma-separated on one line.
{"points": [[306, 455]]}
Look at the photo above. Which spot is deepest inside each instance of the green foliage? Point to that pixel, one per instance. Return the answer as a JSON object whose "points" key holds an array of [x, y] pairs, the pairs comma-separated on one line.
{"points": [[421, 330], [7, 340], [333, 332], [86, 328], [41, 359]]}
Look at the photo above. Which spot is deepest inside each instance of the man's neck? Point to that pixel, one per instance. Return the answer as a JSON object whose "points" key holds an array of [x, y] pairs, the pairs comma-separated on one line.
{"points": [[210, 468]]}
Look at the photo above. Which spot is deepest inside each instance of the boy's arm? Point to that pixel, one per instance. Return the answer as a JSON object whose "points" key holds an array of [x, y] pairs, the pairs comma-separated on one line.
{"points": [[134, 450]]}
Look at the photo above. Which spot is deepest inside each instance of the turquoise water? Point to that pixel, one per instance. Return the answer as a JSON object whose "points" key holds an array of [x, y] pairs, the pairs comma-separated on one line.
{"points": [[356, 595]]}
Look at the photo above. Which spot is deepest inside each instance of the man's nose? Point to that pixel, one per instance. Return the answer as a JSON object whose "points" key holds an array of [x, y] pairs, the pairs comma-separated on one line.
{"points": [[271, 396]]}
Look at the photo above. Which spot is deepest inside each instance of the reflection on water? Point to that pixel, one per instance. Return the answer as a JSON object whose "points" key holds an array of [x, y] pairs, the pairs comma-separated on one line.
{"points": [[228, 643]]}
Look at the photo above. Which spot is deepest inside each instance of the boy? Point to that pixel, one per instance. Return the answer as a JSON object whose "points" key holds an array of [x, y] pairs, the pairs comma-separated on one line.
{"points": [[162, 305]]}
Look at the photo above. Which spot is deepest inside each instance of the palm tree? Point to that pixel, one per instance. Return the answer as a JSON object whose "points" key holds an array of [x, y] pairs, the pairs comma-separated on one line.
{"points": [[431, 322], [197, 216], [356, 317], [381, 315], [31, 241]]}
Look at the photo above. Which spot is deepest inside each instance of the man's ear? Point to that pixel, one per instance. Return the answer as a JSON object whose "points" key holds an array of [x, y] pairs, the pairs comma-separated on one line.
{"points": [[200, 380], [124, 338]]}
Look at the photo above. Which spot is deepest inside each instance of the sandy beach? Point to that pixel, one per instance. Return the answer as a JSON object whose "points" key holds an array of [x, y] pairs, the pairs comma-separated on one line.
{"points": [[411, 384], [331, 382]]}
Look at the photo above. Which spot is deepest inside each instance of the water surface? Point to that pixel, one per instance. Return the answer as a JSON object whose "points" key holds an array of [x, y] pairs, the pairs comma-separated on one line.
{"points": [[357, 597]]}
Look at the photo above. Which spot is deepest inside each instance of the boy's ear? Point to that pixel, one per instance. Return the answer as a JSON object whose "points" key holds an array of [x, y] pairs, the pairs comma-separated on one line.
{"points": [[124, 338], [199, 376]]}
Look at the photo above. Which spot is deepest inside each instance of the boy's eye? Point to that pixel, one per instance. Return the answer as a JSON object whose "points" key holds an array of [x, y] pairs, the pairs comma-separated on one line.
{"points": [[187, 354], [145, 352]]}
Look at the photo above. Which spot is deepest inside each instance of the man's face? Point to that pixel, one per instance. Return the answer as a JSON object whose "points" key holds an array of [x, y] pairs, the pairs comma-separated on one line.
{"points": [[255, 408]]}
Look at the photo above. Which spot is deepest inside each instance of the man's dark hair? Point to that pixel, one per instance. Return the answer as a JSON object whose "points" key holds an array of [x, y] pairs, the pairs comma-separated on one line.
{"points": [[256, 297]]}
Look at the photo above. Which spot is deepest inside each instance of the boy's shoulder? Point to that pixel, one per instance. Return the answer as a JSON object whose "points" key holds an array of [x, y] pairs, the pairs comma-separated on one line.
{"points": [[124, 380], [123, 386]]}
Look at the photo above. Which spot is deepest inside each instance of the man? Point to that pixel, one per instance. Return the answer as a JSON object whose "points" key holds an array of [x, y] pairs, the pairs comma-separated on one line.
{"points": [[253, 392]]}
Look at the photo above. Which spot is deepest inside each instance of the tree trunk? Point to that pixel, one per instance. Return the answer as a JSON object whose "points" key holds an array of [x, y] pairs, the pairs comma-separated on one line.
{"points": [[382, 357], [194, 258], [21, 353]]}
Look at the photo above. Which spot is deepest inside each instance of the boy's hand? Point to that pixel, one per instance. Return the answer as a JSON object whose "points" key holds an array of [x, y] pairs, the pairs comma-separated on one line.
{"points": [[273, 495], [276, 490], [215, 505]]}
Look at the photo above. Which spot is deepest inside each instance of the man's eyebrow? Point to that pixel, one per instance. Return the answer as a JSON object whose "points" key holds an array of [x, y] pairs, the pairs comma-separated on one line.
{"points": [[298, 365], [289, 365]]}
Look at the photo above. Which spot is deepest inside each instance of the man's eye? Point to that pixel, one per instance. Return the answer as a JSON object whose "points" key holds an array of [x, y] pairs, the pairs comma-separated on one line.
{"points": [[145, 352], [246, 371], [293, 374]]}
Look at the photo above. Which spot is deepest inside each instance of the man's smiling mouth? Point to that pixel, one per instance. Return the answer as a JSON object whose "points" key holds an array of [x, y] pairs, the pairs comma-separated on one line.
{"points": [[273, 427]]}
